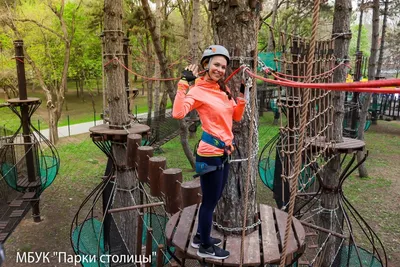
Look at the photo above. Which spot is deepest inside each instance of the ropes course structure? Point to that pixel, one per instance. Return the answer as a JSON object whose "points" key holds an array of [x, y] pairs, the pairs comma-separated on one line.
{"points": [[29, 162], [162, 210], [156, 200]]}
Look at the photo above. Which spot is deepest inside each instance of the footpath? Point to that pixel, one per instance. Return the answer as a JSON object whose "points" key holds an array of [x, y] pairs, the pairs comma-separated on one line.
{"points": [[80, 128]]}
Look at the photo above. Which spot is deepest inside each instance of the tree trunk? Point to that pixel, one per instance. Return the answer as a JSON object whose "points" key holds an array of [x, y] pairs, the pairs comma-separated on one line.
{"points": [[53, 125], [331, 171], [231, 24], [117, 100], [166, 73], [273, 19], [382, 46], [194, 48], [149, 83], [362, 170], [157, 71]]}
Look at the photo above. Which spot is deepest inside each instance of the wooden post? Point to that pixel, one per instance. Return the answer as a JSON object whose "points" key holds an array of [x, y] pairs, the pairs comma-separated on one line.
{"points": [[156, 167], [172, 182], [139, 234], [133, 144], [191, 192], [149, 244], [144, 153], [160, 255]]}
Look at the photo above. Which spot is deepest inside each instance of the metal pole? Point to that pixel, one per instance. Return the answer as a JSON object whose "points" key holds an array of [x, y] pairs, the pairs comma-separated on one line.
{"points": [[69, 129], [30, 166], [357, 78], [126, 63]]}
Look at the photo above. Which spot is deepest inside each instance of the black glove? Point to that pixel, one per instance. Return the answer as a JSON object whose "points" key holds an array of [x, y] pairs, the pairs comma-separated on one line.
{"points": [[188, 76]]}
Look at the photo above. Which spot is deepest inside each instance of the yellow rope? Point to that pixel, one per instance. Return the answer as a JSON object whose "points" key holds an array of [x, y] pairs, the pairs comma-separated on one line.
{"points": [[303, 122], [250, 142]]}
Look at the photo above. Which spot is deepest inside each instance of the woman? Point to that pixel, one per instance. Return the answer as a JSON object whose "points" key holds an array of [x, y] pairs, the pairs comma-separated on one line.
{"points": [[216, 108]]}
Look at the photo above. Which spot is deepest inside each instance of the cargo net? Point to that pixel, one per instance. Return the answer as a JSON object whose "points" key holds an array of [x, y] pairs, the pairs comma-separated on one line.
{"points": [[318, 134], [305, 151], [101, 232]]}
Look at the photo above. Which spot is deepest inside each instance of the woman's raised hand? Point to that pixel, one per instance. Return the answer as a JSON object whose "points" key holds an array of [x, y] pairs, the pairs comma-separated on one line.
{"points": [[190, 73]]}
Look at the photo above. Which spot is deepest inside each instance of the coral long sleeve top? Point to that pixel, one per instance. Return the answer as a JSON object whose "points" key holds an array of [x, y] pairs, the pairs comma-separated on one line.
{"points": [[215, 110]]}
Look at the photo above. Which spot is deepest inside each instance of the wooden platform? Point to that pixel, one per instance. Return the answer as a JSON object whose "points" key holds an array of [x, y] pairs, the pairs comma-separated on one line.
{"points": [[261, 247], [24, 182], [105, 130], [349, 145]]}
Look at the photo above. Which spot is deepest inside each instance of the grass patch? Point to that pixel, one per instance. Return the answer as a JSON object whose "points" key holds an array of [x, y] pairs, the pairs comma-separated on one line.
{"points": [[75, 110]]}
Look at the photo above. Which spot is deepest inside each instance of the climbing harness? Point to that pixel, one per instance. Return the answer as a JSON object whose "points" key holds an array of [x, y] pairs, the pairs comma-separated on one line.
{"points": [[202, 167]]}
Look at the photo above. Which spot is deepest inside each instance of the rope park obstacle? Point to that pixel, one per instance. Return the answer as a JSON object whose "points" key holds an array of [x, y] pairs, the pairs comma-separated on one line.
{"points": [[29, 162], [305, 145], [167, 216]]}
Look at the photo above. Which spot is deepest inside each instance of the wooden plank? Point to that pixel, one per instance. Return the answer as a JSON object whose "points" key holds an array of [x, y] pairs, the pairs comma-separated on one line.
{"points": [[3, 237], [15, 203], [29, 195], [184, 227], [3, 224], [16, 213], [192, 252], [268, 235], [252, 249], [169, 229], [281, 218], [300, 231], [233, 243]]}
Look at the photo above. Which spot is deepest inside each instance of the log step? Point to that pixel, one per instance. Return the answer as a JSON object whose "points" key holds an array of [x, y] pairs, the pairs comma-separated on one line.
{"points": [[3, 237], [303, 262], [29, 195], [16, 203], [312, 246], [3, 224], [16, 213], [311, 234]]}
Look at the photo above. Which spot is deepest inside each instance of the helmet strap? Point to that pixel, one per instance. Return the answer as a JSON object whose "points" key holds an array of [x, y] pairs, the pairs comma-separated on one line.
{"points": [[207, 69]]}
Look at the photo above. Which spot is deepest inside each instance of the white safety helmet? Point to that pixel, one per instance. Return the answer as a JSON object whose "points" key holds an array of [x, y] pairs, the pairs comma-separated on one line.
{"points": [[215, 50]]}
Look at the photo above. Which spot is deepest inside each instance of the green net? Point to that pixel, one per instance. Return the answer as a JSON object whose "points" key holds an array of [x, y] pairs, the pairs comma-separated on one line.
{"points": [[349, 257], [266, 169], [88, 239], [48, 170], [269, 60], [9, 174]]}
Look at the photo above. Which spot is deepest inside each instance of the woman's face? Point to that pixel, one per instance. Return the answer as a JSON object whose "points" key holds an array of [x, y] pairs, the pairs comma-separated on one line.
{"points": [[217, 68]]}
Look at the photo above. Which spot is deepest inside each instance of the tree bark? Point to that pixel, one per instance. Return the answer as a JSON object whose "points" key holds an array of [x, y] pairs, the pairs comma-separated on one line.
{"points": [[274, 14], [231, 24], [118, 116], [194, 41], [166, 73], [157, 72], [331, 171]]}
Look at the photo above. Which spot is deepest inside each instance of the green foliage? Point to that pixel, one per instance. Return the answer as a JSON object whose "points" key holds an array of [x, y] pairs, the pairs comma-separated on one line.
{"points": [[365, 45]]}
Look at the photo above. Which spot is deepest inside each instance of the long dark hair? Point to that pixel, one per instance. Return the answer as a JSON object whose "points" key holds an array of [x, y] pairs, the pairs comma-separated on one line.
{"points": [[220, 82]]}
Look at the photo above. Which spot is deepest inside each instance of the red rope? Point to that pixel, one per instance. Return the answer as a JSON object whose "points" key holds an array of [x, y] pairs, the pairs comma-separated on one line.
{"points": [[233, 74], [312, 77], [20, 60], [144, 77], [362, 87]]}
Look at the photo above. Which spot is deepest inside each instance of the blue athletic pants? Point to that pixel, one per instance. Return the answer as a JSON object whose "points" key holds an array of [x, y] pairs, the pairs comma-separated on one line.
{"points": [[212, 185]]}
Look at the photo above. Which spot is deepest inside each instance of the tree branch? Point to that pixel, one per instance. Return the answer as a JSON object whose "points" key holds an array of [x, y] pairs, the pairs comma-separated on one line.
{"points": [[43, 27]]}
